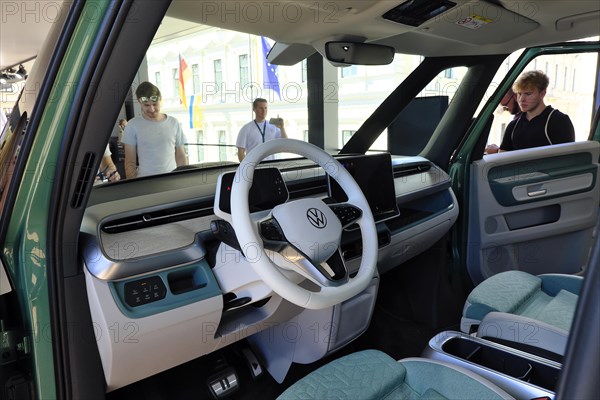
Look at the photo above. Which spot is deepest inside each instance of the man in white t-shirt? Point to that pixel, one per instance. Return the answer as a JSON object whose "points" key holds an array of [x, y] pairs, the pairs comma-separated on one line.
{"points": [[154, 142], [258, 130]]}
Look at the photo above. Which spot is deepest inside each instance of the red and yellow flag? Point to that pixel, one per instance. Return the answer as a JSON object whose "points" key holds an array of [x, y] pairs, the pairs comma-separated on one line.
{"points": [[184, 75]]}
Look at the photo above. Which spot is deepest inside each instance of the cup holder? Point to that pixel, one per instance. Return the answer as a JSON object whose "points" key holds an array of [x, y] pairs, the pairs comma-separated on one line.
{"points": [[509, 363]]}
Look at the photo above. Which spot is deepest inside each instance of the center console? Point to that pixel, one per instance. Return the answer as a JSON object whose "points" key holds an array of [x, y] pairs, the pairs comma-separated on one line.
{"points": [[521, 374]]}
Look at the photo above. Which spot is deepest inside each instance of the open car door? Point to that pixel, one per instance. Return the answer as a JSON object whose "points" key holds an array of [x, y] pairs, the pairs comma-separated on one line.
{"points": [[533, 210], [536, 209]]}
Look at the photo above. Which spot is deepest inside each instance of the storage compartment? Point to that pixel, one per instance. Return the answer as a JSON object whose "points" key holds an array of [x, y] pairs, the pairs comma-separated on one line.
{"points": [[507, 363], [521, 374], [186, 280], [534, 217], [351, 318]]}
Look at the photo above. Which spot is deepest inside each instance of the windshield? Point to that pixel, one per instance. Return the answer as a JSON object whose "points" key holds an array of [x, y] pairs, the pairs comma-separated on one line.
{"points": [[207, 80], [206, 96]]}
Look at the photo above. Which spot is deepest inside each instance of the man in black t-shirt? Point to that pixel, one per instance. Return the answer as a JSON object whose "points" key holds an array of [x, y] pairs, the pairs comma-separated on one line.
{"points": [[537, 124]]}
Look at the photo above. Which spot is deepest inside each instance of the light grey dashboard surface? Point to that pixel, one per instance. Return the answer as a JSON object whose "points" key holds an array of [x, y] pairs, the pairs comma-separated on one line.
{"points": [[158, 225]]}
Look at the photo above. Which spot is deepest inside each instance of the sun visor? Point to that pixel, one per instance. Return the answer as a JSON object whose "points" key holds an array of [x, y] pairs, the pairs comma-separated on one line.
{"points": [[289, 54], [474, 22]]}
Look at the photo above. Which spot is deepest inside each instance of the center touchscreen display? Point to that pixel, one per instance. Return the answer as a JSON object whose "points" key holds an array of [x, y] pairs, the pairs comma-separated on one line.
{"points": [[373, 174]]}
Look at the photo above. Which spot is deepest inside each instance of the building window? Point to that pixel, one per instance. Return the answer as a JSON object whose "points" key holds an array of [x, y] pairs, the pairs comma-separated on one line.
{"points": [[157, 79], [304, 70], [222, 146], [218, 70], [449, 73], [244, 71], [196, 78], [175, 82], [573, 85], [565, 79], [346, 135], [349, 71]]}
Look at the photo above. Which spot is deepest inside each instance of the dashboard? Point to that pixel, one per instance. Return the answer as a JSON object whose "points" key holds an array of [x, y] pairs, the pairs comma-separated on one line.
{"points": [[156, 267]]}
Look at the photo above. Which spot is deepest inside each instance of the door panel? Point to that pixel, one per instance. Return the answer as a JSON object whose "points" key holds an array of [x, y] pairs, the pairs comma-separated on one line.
{"points": [[533, 210]]}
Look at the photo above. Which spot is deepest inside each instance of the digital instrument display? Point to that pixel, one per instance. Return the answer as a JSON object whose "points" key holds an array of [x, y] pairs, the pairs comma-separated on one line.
{"points": [[268, 190], [373, 174]]}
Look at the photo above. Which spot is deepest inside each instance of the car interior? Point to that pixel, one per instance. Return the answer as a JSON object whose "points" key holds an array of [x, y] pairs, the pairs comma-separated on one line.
{"points": [[311, 275]]}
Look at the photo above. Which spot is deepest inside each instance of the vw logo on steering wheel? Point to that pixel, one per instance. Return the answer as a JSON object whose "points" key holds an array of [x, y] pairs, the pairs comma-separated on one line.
{"points": [[316, 218]]}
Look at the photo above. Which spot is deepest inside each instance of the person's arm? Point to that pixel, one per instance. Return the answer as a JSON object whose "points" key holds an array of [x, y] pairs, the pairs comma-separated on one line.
{"points": [[180, 156], [241, 144], [130, 161], [108, 169], [491, 148], [241, 153], [281, 127]]}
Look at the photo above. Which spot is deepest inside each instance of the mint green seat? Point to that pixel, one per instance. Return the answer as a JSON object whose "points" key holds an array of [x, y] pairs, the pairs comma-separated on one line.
{"points": [[519, 307], [371, 374]]}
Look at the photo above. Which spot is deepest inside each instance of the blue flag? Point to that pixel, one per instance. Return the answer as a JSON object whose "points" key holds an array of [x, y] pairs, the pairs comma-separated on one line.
{"points": [[270, 80]]}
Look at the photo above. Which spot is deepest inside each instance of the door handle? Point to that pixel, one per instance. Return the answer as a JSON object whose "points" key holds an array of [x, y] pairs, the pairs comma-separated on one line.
{"points": [[535, 193]]}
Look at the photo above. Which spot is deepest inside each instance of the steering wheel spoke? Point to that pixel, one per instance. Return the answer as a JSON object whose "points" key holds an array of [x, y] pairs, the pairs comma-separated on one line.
{"points": [[328, 273]]}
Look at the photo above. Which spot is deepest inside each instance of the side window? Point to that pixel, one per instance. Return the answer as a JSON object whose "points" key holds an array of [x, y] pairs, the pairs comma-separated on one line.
{"points": [[422, 115], [570, 90]]}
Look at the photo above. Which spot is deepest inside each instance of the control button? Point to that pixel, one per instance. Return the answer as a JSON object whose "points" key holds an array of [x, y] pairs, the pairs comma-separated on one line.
{"points": [[347, 214], [270, 230], [144, 291]]}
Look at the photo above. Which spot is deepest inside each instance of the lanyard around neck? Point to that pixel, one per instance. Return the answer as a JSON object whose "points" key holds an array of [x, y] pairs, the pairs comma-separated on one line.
{"points": [[262, 132]]}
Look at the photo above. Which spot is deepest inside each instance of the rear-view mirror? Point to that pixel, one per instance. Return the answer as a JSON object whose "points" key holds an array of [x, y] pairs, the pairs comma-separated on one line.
{"points": [[359, 53]]}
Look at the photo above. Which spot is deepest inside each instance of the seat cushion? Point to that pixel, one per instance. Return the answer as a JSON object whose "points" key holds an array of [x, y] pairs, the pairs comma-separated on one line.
{"points": [[432, 378], [368, 374], [371, 374], [548, 298], [504, 292]]}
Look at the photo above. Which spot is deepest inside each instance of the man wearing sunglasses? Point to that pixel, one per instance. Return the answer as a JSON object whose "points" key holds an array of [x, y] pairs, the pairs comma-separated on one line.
{"points": [[154, 142]]}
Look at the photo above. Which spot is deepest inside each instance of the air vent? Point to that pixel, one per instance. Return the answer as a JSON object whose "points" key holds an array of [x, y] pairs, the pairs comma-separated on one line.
{"points": [[85, 175], [158, 217], [415, 12], [412, 169]]}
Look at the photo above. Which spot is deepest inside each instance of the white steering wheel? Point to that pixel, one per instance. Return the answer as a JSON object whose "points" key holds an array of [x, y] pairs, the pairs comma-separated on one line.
{"points": [[308, 232]]}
